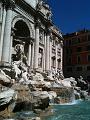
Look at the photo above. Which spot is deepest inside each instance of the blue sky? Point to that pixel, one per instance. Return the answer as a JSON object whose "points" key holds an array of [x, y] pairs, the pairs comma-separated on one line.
{"points": [[71, 15]]}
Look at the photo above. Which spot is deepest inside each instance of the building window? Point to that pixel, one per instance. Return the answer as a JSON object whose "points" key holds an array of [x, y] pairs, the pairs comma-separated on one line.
{"points": [[79, 49], [53, 50], [78, 40], [88, 37], [84, 38], [59, 61], [74, 40], [67, 50], [40, 57], [66, 42], [78, 59], [59, 53], [88, 58], [88, 47], [69, 60], [41, 36], [53, 40], [53, 62], [79, 68], [69, 69], [70, 42], [88, 68], [53, 43]]}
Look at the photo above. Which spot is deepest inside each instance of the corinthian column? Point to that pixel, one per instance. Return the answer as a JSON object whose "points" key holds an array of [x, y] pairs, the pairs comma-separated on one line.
{"points": [[29, 55], [50, 53], [61, 66], [32, 55], [7, 33], [36, 48], [56, 54], [2, 31], [47, 50]]}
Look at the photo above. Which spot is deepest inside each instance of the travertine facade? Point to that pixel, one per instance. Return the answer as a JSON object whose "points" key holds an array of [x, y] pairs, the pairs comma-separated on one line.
{"points": [[28, 24]]}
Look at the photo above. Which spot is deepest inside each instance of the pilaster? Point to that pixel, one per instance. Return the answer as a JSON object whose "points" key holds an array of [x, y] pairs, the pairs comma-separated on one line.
{"points": [[29, 55], [56, 47], [36, 47], [50, 50], [61, 57], [47, 49], [32, 54], [6, 52], [2, 31]]}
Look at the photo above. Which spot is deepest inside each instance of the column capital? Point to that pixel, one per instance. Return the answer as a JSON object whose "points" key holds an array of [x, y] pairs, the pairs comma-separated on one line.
{"points": [[37, 23], [9, 4], [48, 31]]}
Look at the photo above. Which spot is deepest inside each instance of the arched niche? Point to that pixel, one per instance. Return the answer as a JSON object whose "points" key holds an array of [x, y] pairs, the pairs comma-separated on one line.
{"points": [[21, 35]]}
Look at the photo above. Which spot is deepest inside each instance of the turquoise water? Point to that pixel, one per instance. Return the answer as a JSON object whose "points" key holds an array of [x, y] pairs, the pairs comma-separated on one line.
{"points": [[76, 111]]}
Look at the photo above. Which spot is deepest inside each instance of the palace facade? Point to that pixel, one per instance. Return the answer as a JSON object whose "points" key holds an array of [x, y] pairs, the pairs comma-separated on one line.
{"points": [[29, 23], [77, 54]]}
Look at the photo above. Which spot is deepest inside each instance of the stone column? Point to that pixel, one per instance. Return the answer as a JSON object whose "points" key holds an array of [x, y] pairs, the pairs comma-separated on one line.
{"points": [[56, 55], [61, 66], [32, 55], [47, 50], [44, 53], [10, 48], [7, 33], [29, 55], [2, 31], [50, 53], [36, 47]]}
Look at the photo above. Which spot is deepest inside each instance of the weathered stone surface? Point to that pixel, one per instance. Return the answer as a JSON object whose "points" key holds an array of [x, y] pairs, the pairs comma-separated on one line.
{"points": [[69, 82], [41, 99], [6, 96], [23, 97], [83, 94], [60, 100], [7, 102], [5, 79]]}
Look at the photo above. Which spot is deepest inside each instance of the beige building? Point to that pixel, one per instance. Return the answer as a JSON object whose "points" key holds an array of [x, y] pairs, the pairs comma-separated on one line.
{"points": [[28, 23]]}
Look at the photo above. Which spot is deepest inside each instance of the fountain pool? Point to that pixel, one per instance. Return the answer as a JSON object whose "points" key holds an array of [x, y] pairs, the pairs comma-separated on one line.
{"points": [[78, 110]]}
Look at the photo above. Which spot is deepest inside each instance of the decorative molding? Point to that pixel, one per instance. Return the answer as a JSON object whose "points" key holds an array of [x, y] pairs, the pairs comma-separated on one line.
{"points": [[9, 4], [39, 5]]}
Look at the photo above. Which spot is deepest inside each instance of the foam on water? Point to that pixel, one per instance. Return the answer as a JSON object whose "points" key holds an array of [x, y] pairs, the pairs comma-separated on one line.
{"points": [[70, 103]]}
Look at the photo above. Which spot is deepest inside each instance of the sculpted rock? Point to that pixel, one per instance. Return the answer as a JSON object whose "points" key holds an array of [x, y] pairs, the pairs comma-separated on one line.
{"points": [[69, 82], [7, 102], [6, 96], [41, 99], [23, 101], [38, 77], [52, 94], [5, 79]]}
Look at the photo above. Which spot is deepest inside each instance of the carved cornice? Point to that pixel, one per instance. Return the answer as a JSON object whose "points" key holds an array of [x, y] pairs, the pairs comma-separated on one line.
{"points": [[8, 4]]}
